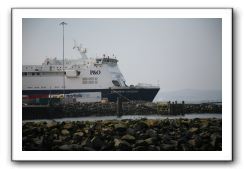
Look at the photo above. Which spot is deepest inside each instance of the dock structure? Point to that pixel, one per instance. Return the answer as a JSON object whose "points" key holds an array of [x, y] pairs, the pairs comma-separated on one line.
{"points": [[118, 108], [176, 109]]}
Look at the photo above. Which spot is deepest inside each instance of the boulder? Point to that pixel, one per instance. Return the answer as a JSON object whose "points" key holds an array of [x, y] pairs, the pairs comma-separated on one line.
{"points": [[78, 134], [152, 123], [121, 145], [128, 138], [153, 148], [140, 143], [140, 148], [65, 132], [167, 147], [204, 124], [88, 149], [192, 142], [215, 139], [97, 142], [131, 131], [141, 125], [68, 125], [51, 124], [193, 130], [65, 147], [151, 133], [120, 127], [71, 147], [150, 141], [86, 142]]}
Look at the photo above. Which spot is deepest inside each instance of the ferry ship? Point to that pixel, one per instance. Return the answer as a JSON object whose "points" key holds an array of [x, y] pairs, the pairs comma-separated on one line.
{"points": [[82, 75]]}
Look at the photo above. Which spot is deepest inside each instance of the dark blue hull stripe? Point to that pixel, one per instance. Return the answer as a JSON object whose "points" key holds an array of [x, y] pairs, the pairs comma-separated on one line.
{"points": [[111, 94]]}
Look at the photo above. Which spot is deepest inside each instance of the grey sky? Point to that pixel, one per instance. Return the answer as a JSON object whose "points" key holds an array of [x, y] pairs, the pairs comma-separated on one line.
{"points": [[179, 53]]}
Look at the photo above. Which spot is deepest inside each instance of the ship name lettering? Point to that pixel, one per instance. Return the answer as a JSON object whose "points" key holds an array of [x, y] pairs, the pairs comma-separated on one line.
{"points": [[95, 72]]}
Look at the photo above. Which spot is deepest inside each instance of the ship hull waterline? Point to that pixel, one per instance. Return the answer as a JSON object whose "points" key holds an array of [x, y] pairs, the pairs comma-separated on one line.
{"points": [[127, 94]]}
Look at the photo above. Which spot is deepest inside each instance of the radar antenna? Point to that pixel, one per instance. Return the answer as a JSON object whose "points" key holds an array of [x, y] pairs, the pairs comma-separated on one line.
{"points": [[81, 50]]}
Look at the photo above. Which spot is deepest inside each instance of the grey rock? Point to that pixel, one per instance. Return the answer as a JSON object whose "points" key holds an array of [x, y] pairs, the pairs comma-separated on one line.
{"points": [[193, 130], [216, 139], [78, 134], [120, 127], [141, 125], [57, 142], [71, 147], [88, 149], [68, 125], [150, 141], [153, 148], [167, 147], [97, 142], [38, 141], [151, 133], [51, 124], [140, 148], [76, 147], [192, 142], [65, 132], [129, 138], [65, 148], [86, 143], [122, 145], [140, 143], [130, 131]]}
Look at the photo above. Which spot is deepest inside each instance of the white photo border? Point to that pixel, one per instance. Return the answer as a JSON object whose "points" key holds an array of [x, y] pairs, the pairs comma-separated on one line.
{"points": [[225, 155]]}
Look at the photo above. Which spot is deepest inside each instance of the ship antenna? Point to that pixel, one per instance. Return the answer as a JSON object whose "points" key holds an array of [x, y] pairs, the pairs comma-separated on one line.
{"points": [[63, 24]]}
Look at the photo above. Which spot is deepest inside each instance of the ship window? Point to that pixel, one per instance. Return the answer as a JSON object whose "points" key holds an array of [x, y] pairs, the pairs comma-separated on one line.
{"points": [[38, 73], [116, 83], [84, 80], [32, 74], [89, 80], [24, 73]]}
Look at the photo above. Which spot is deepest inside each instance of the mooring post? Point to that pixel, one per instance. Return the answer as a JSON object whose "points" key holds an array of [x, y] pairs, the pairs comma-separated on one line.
{"points": [[172, 108], [119, 107], [183, 108]]}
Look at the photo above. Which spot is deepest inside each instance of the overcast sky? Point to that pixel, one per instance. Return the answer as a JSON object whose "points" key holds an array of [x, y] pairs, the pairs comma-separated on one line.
{"points": [[177, 53]]}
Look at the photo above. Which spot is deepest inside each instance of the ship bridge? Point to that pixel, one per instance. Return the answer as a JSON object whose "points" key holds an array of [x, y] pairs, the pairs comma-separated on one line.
{"points": [[106, 60]]}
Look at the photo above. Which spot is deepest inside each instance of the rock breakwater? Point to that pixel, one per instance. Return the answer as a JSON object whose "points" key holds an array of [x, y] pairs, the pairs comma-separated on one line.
{"points": [[124, 135]]}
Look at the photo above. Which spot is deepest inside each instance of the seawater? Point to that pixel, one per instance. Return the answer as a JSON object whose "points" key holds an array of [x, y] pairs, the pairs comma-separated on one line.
{"points": [[133, 117]]}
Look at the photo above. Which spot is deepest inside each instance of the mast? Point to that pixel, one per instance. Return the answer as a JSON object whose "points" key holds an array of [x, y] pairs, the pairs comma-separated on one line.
{"points": [[63, 24]]}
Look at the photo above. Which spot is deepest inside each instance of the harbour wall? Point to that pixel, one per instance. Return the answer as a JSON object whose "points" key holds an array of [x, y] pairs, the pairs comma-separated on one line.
{"points": [[55, 111]]}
